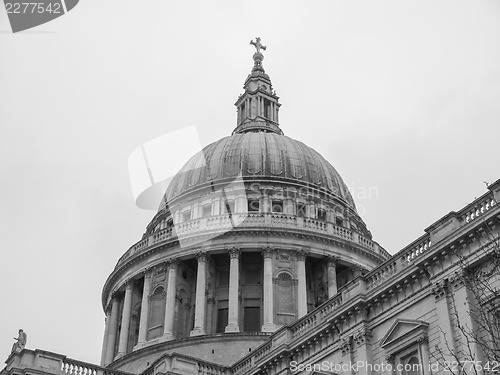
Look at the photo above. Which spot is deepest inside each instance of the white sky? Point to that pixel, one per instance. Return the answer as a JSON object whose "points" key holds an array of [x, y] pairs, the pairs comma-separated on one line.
{"points": [[400, 96]]}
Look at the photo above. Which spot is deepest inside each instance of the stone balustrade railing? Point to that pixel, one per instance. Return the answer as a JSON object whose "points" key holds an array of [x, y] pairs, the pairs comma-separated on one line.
{"points": [[449, 224], [289, 334], [47, 362], [243, 366], [210, 369], [262, 351], [303, 325], [330, 306], [251, 220], [415, 249], [75, 367], [380, 274], [478, 208]]}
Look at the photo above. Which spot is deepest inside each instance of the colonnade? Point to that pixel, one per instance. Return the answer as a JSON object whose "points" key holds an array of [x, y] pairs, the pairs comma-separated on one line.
{"points": [[115, 335]]}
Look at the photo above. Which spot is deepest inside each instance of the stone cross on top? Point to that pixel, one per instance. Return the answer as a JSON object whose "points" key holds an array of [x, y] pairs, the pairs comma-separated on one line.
{"points": [[258, 45]]}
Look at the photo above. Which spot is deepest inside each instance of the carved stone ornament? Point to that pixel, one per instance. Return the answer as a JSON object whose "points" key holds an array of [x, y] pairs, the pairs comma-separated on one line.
{"points": [[234, 253], [440, 289], [457, 280], [362, 337], [345, 345], [160, 269], [267, 252], [332, 261], [148, 273], [172, 264], [301, 255], [423, 340], [284, 256], [201, 256]]}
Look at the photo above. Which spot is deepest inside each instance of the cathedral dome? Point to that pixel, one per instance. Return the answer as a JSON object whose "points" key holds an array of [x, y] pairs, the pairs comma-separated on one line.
{"points": [[259, 156], [254, 231]]}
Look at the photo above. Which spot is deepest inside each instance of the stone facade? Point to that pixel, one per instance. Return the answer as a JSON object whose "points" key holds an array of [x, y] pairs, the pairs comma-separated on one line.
{"points": [[250, 277]]}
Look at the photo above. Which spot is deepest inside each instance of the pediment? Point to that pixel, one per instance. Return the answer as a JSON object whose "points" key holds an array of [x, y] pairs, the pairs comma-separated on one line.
{"points": [[403, 328]]}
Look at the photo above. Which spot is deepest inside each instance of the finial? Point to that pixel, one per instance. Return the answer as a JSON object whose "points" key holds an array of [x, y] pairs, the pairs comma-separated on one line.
{"points": [[257, 44]]}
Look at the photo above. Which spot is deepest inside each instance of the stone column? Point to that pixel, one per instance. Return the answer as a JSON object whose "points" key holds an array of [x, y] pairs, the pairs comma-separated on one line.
{"points": [[106, 334], [127, 313], [168, 327], [210, 314], [332, 276], [302, 287], [268, 325], [143, 323], [113, 331], [201, 282], [234, 270]]}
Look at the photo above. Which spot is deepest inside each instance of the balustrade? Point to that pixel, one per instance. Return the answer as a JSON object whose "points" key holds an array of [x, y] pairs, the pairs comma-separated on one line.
{"points": [[414, 250], [74, 367], [257, 219], [381, 274], [478, 208], [210, 369]]}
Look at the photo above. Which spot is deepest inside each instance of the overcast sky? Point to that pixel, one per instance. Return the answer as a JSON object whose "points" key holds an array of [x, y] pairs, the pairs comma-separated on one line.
{"points": [[402, 97]]}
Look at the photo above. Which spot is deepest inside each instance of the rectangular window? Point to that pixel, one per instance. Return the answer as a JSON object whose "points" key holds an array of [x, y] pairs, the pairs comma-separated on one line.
{"points": [[222, 315], [253, 205], [277, 206], [321, 214], [251, 320], [301, 210], [186, 216], [206, 210], [339, 221]]}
